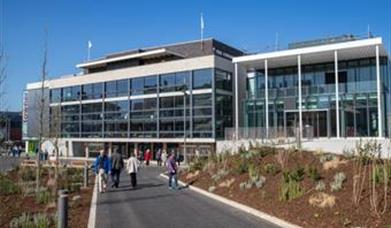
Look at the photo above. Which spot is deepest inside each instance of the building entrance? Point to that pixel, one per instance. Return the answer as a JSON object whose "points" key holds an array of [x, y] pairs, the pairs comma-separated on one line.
{"points": [[315, 122]]}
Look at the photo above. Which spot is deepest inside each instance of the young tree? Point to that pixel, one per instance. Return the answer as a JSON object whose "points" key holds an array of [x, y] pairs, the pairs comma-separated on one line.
{"points": [[3, 76], [41, 114]]}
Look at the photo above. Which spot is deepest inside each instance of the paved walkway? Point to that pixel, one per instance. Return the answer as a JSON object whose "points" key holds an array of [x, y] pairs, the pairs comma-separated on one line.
{"points": [[7, 162], [152, 204]]}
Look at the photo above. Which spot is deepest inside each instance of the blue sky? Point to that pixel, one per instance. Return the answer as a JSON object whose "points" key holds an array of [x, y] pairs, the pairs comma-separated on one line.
{"points": [[119, 25]]}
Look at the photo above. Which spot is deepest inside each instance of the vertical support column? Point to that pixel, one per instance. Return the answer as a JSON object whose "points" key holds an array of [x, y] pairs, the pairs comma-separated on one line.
{"points": [[110, 148], [300, 100], [266, 100], [236, 103], [158, 107], [336, 93], [379, 93]]}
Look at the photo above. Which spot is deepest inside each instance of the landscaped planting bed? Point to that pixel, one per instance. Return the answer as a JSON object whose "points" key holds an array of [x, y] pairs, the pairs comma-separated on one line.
{"points": [[21, 206], [310, 189]]}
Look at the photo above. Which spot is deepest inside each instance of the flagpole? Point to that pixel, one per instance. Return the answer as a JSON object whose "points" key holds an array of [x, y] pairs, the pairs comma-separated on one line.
{"points": [[89, 50], [202, 32]]}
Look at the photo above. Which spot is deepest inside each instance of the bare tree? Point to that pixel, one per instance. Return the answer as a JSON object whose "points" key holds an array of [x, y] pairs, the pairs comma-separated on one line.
{"points": [[55, 134], [41, 114], [3, 76]]}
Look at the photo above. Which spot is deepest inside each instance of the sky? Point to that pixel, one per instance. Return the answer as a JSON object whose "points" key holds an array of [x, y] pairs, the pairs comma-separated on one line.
{"points": [[116, 25]]}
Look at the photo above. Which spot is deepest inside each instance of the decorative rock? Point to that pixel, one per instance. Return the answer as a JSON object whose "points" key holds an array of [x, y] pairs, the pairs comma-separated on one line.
{"points": [[211, 189]]}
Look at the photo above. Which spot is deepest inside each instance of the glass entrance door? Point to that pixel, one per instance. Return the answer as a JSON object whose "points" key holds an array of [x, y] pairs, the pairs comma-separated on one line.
{"points": [[316, 120]]}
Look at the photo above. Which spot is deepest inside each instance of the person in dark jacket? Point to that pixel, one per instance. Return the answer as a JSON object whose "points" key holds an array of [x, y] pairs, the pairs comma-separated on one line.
{"points": [[102, 169], [172, 172], [117, 164]]}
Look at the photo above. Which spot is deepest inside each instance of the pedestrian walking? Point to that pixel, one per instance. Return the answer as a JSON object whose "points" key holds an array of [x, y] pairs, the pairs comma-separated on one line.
{"points": [[164, 157], [117, 164], [102, 168], [159, 157], [172, 172], [147, 156], [132, 166]]}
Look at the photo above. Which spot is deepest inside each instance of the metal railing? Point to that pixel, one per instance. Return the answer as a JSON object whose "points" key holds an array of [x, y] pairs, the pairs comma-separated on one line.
{"points": [[260, 133]]}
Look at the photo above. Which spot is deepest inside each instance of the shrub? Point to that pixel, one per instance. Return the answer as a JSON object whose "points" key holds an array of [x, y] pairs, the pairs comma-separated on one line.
{"points": [[240, 166], [271, 169], [313, 173], [197, 164], [327, 157], [380, 172], [219, 175], [336, 185], [29, 221], [42, 221], [290, 187], [260, 182], [25, 221], [320, 186], [7, 186], [27, 174], [322, 200], [297, 174], [44, 197]]}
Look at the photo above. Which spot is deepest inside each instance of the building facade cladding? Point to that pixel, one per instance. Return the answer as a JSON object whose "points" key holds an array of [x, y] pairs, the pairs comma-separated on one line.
{"points": [[148, 107]]}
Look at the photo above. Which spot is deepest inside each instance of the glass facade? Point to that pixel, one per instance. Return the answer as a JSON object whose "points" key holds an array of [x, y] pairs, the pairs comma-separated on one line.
{"points": [[357, 98], [149, 107]]}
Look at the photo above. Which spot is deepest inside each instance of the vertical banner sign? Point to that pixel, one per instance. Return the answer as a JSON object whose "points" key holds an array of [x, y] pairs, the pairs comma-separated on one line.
{"points": [[25, 114]]}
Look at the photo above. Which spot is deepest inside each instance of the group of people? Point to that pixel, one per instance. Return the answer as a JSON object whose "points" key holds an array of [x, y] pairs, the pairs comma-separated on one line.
{"points": [[113, 165], [15, 151]]}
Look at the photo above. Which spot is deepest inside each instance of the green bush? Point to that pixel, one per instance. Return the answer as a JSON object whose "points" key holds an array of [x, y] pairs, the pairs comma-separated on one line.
{"points": [[271, 169], [313, 173], [7, 186], [27, 174], [44, 197], [28, 221], [240, 166], [297, 174], [42, 221], [290, 187], [320, 186], [197, 164], [23, 221], [336, 185], [380, 172]]}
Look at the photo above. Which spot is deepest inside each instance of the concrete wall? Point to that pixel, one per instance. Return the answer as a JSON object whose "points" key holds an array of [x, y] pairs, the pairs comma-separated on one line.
{"points": [[336, 146]]}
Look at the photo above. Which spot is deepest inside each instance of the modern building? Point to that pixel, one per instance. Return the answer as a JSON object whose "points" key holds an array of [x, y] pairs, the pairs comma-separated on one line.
{"points": [[160, 97], [11, 126], [195, 94], [336, 87]]}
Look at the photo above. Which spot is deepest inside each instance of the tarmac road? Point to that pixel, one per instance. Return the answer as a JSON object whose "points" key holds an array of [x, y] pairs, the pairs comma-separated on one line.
{"points": [[152, 204]]}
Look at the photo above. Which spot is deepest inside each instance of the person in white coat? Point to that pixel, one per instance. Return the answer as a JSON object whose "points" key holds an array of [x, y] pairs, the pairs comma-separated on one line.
{"points": [[132, 167]]}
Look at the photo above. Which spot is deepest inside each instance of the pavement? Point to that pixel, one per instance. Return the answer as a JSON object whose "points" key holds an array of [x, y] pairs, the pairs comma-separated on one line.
{"points": [[152, 204], [8, 162]]}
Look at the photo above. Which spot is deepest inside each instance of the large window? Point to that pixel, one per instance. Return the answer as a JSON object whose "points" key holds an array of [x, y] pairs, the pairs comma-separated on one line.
{"points": [[144, 85], [223, 80], [117, 88], [71, 93], [202, 79], [175, 81], [55, 95], [92, 91]]}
